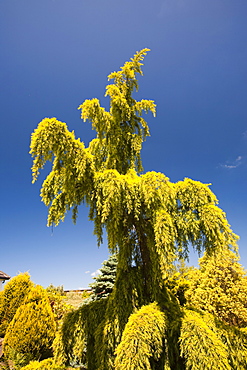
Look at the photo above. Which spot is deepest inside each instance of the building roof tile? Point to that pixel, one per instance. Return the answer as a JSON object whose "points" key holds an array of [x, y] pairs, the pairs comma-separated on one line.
{"points": [[4, 276]]}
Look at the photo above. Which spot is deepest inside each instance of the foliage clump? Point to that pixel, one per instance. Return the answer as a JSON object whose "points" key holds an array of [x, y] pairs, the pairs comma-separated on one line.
{"points": [[80, 337], [12, 297], [30, 334], [47, 364], [142, 339], [219, 286], [57, 299], [200, 333]]}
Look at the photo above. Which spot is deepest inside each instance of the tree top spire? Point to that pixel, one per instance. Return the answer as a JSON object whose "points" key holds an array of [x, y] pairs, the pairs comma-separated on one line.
{"points": [[122, 130]]}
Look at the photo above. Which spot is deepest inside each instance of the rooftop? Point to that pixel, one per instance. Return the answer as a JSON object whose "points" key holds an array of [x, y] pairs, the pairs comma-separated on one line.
{"points": [[4, 276]]}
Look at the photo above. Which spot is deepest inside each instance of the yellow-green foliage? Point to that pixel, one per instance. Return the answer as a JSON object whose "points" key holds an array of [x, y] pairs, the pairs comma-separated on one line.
{"points": [[32, 330], [69, 345], [58, 351], [142, 339], [47, 364], [106, 177], [207, 343], [58, 302], [121, 131], [201, 343], [236, 341], [12, 297], [78, 332], [149, 221], [219, 286], [178, 280]]}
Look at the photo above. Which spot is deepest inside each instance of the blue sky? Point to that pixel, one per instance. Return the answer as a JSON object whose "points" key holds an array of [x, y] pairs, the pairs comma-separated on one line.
{"points": [[57, 53]]}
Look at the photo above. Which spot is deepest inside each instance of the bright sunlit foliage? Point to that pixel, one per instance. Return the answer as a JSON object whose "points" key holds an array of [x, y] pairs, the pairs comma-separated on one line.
{"points": [[149, 221], [30, 334], [12, 297], [142, 339], [219, 286], [201, 344]]}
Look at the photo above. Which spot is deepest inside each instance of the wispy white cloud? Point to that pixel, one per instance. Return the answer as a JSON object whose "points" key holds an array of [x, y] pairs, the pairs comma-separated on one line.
{"points": [[97, 272], [231, 165], [87, 272]]}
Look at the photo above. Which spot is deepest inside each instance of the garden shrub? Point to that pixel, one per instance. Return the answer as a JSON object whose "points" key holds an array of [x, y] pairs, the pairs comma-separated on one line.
{"points": [[30, 334], [12, 297], [69, 346]]}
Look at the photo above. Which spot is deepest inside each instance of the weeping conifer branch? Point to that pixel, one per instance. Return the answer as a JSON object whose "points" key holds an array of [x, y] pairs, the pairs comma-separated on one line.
{"points": [[143, 339]]}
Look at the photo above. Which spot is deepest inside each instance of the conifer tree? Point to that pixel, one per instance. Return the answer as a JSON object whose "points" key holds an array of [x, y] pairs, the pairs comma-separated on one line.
{"points": [[104, 282], [217, 293], [149, 220], [219, 286], [12, 297], [30, 334]]}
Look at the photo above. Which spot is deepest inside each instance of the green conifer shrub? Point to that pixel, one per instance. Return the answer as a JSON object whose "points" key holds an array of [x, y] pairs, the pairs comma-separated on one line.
{"points": [[75, 343], [207, 343], [236, 341], [12, 297], [30, 334], [69, 344]]}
